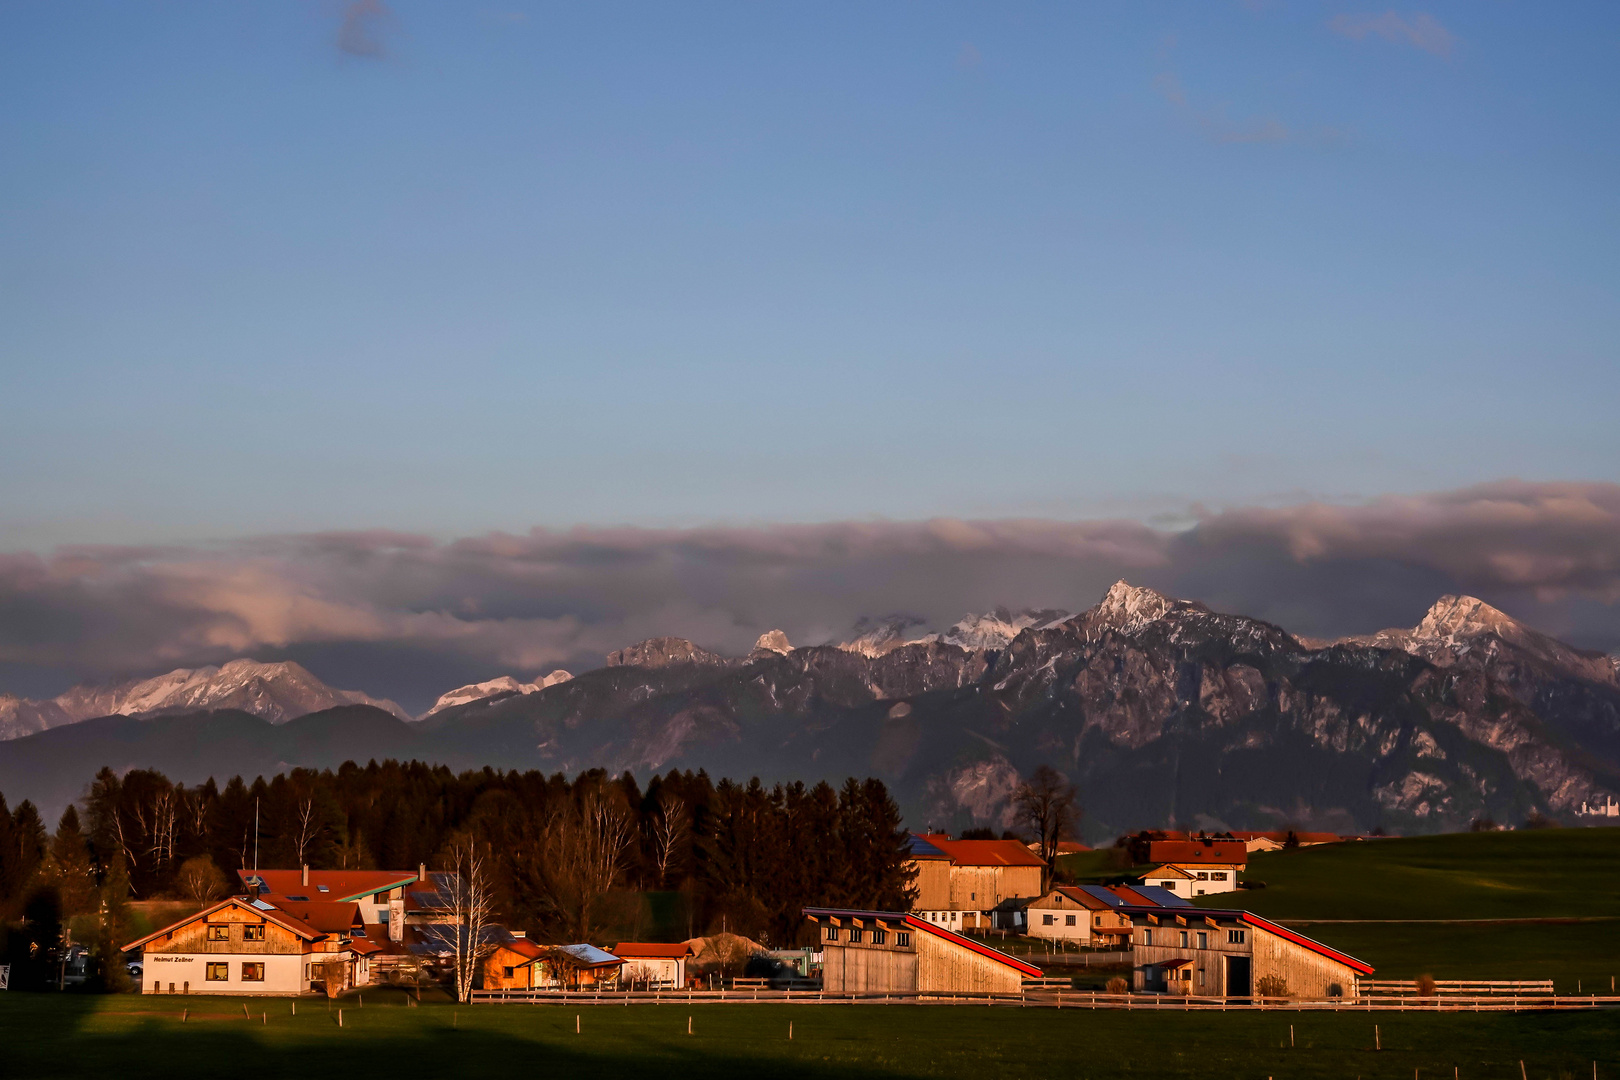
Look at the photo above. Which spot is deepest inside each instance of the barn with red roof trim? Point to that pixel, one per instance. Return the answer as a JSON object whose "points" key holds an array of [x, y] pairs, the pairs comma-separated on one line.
{"points": [[894, 952], [1209, 952]]}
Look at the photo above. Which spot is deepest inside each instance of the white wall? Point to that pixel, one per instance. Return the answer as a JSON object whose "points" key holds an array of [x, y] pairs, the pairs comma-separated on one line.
{"points": [[283, 973]]}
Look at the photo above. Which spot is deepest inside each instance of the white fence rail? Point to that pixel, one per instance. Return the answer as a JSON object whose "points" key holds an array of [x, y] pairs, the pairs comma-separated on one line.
{"points": [[1055, 999], [1459, 986]]}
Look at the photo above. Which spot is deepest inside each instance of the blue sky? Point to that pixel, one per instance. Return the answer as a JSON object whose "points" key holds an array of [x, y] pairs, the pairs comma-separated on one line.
{"points": [[449, 268]]}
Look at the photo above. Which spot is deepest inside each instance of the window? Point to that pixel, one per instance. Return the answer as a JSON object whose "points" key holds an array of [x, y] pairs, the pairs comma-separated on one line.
{"points": [[1234, 937], [1183, 942], [218, 932], [1068, 920], [832, 933], [218, 973], [253, 933], [506, 973], [1203, 939], [1147, 937], [1203, 875], [1200, 973], [856, 933], [1048, 920], [1219, 875], [1099, 920], [253, 972], [879, 936], [902, 941], [1168, 886], [973, 896]]}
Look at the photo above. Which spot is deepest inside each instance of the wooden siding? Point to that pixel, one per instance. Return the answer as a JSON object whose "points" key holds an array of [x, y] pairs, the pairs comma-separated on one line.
{"points": [[943, 886], [847, 968], [933, 884], [495, 965], [945, 966], [193, 937], [1308, 974]]}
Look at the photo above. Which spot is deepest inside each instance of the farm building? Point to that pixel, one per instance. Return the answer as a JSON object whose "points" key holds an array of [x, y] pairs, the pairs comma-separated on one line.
{"points": [[894, 952], [581, 967], [1217, 953], [1196, 867], [250, 946], [1087, 914], [653, 965], [514, 964], [1277, 839], [960, 882]]}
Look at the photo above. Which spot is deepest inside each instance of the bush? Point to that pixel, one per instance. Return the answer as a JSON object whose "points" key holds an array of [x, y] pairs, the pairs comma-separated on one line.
{"points": [[1426, 986], [1272, 986], [1118, 985]]}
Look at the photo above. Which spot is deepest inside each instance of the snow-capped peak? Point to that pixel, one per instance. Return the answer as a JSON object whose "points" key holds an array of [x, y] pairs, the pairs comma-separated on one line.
{"points": [[997, 629], [505, 684], [1128, 608], [774, 641]]}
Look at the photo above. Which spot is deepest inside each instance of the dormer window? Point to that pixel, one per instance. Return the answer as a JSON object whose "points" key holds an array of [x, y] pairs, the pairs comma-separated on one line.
{"points": [[322, 888]]}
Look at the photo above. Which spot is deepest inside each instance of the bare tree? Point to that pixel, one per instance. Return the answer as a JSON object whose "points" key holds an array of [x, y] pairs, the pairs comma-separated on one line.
{"points": [[201, 880], [165, 818], [306, 827], [582, 853], [468, 901], [669, 831], [1047, 805]]}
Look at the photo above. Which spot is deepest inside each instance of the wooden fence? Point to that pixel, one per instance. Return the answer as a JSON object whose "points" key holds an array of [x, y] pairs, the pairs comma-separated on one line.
{"points": [[1056, 999], [1476, 987]]}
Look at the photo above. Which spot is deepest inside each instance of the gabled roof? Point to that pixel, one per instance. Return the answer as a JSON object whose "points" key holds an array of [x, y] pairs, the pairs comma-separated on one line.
{"points": [[914, 923], [1165, 871], [269, 912], [982, 852], [1359, 966], [339, 884], [1226, 852], [640, 950], [529, 950], [1161, 897], [588, 956], [327, 916]]}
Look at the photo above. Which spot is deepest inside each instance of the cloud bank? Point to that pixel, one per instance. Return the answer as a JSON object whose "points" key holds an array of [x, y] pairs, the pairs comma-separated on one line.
{"points": [[405, 616]]}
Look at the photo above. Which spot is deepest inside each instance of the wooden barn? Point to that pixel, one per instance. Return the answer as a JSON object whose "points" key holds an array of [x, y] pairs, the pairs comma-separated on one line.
{"points": [[893, 952], [1216, 953], [960, 882], [515, 963]]}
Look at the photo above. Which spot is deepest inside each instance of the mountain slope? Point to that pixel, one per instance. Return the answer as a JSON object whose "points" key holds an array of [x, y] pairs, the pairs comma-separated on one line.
{"points": [[1161, 711], [276, 692]]}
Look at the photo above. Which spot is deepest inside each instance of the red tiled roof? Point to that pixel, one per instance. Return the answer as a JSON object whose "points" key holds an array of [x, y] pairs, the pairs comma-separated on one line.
{"points": [[984, 852], [1198, 851], [327, 916], [340, 884], [640, 950]]}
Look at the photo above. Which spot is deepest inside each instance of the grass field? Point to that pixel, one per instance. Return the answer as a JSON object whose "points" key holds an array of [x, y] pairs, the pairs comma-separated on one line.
{"points": [[44, 1035], [1397, 892], [1545, 874]]}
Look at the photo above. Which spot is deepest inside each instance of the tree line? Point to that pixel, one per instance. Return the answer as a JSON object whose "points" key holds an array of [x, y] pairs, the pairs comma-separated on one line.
{"points": [[567, 859]]}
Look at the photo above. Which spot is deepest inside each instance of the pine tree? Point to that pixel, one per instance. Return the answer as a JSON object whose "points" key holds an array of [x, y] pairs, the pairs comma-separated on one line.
{"points": [[70, 864]]}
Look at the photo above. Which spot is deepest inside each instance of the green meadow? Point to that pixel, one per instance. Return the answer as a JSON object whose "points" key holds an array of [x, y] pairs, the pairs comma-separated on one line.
{"points": [[1537, 904], [53, 1036]]}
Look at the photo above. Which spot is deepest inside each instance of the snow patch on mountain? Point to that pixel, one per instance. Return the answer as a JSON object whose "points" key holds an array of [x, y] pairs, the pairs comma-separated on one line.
{"points": [[276, 692], [997, 629], [504, 686]]}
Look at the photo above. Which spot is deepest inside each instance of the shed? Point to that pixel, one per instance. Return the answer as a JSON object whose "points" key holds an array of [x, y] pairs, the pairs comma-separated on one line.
{"points": [[653, 965], [895, 952], [1226, 953]]}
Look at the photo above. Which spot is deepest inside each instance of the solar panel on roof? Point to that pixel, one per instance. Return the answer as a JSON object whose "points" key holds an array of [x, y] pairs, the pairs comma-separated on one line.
{"points": [[261, 905], [299, 899]]}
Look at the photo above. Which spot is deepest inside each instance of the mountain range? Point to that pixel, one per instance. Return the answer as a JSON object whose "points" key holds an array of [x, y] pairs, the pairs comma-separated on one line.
{"points": [[1161, 711]]}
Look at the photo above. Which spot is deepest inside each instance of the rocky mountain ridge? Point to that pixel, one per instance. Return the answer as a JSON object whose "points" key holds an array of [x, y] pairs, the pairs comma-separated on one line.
{"points": [[1162, 711], [276, 692]]}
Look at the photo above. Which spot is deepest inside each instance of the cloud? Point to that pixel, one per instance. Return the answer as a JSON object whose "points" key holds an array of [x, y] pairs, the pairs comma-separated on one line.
{"points": [[406, 616], [1212, 120], [1419, 30], [363, 27]]}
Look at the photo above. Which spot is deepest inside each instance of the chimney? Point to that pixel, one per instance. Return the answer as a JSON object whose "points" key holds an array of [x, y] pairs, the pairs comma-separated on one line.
{"points": [[421, 871], [306, 875]]}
